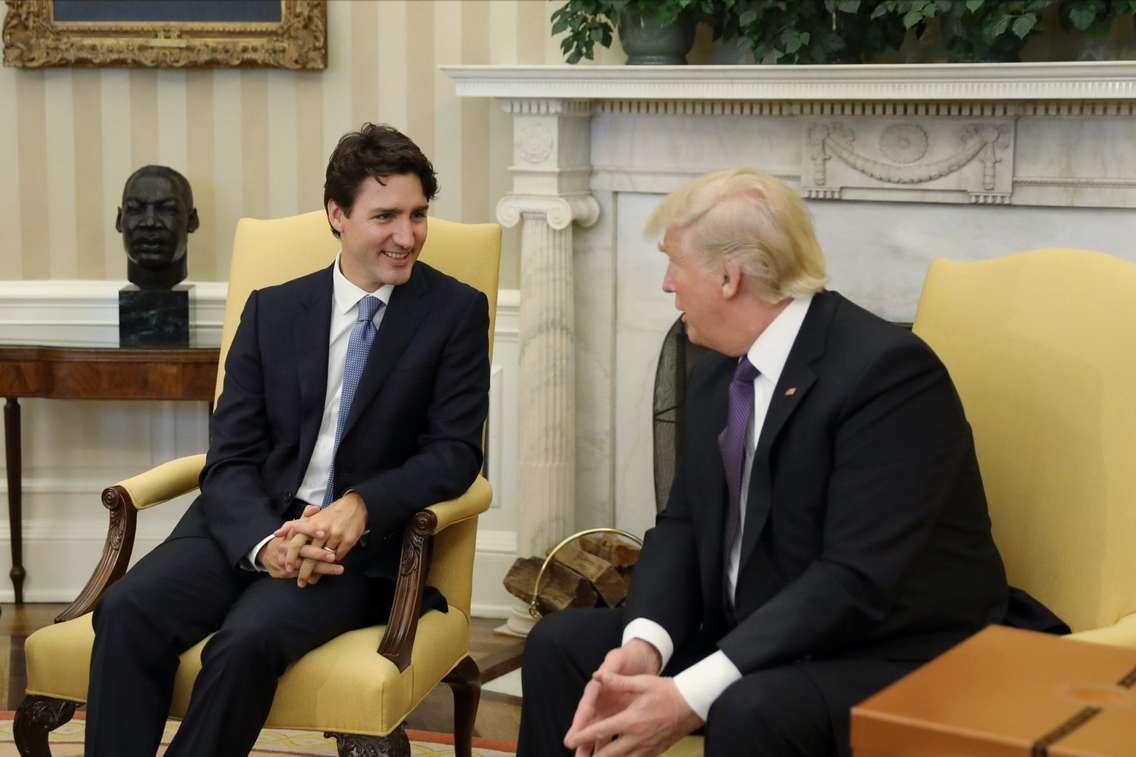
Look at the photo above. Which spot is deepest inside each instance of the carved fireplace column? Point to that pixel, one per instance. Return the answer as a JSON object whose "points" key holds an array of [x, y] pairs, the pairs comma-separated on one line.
{"points": [[551, 167]]}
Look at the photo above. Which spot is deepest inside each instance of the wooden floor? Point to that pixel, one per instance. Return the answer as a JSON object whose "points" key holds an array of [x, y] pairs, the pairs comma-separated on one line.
{"points": [[498, 716]]}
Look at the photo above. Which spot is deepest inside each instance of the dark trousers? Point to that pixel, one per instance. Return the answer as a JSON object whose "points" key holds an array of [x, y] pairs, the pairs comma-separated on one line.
{"points": [[795, 710], [182, 591]]}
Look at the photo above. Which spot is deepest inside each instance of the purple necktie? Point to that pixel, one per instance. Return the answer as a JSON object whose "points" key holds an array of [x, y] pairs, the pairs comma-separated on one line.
{"points": [[732, 443]]}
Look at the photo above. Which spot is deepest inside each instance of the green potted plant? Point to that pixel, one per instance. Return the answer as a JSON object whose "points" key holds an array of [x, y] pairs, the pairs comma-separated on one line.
{"points": [[838, 31], [998, 30], [651, 31], [804, 31]]}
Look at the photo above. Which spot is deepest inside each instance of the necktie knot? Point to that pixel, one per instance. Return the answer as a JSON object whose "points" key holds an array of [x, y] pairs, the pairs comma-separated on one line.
{"points": [[745, 372], [368, 306]]}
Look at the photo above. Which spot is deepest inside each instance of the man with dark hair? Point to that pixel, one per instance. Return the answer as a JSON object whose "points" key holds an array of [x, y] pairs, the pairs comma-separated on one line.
{"points": [[344, 411], [155, 217]]}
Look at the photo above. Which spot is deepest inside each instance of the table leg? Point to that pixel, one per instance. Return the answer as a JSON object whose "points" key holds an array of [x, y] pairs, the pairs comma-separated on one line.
{"points": [[15, 493]]}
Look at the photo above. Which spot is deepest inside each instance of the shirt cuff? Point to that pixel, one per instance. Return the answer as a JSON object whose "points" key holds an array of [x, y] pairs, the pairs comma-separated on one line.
{"points": [[703, 682], [652, 633], [250, 563]]}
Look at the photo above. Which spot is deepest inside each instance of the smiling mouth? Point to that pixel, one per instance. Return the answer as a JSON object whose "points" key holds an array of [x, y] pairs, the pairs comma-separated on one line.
{"points": [[399, 256]]}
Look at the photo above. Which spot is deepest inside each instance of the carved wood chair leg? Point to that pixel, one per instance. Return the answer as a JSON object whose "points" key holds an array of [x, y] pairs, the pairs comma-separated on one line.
{"points": [[35, 718], [394, 744], [465, 681]]}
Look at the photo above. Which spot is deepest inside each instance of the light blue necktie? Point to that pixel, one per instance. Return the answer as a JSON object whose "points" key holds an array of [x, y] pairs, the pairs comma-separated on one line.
{"points": [[358, 347]]}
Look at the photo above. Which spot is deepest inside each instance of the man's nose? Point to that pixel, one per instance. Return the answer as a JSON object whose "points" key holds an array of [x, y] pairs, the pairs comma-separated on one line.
{"points": [[149, 216], [404, 234]]}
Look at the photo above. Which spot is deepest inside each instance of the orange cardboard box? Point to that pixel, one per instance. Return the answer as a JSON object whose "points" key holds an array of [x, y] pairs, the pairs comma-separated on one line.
{"points": [[1006, 693]]}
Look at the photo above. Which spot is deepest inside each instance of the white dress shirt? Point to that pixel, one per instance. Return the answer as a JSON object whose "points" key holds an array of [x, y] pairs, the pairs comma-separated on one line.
{"points": [[703, 682], [344, 313]]}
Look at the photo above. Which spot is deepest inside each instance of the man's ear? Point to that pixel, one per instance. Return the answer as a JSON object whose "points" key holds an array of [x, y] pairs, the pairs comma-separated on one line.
{"points": [[335, 215], [732, 278], [118, 221], [193, 223]]}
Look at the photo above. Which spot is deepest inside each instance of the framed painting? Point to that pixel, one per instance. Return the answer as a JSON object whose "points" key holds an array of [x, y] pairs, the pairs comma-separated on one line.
{"points": [[166, 33]]}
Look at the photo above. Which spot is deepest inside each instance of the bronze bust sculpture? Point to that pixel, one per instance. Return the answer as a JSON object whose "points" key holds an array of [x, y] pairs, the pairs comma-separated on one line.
{"points": [[155, 219]]}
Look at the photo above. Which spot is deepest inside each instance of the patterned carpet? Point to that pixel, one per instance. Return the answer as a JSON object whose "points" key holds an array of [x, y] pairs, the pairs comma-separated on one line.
{"points": [[67, 741]]}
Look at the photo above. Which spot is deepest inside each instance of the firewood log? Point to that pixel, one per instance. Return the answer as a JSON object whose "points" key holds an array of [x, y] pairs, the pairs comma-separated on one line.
{"points": [[599, 572], [560, 588]]}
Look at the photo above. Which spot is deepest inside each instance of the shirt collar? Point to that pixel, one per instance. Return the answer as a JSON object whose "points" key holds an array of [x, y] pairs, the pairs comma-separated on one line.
{"points": [[347, 295], [771, 350]]}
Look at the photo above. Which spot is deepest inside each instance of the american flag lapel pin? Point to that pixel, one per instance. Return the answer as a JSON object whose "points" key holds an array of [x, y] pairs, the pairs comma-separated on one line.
{"points": [[790, 391]]}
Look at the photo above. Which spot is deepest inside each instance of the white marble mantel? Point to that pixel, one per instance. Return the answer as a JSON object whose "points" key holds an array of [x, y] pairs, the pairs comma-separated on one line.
{"points": [[899, 163], [922, 82]]}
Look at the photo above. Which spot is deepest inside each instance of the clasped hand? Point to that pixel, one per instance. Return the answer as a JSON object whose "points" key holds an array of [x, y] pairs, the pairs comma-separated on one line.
{"points": [[628, 709], [314, 544]]}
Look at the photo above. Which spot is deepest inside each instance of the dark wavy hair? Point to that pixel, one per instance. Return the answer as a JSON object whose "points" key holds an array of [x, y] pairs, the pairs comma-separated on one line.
{"points": [[374, 151]]}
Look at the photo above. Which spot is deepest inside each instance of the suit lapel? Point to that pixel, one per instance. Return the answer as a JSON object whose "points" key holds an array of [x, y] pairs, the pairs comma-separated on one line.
{"points": [[796, 380], [311, 332], [403, 316]]}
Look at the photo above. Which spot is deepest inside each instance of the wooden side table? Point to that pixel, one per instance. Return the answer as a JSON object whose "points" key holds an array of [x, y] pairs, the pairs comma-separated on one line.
{"points": [[89, 373]]}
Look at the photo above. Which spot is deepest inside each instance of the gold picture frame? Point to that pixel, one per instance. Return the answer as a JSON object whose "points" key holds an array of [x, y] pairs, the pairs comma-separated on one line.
{"points": [[33, 38]]}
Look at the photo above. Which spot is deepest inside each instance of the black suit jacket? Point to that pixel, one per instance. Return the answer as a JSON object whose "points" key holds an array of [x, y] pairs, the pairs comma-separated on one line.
{"points": [[866, 532], [413, 436]]}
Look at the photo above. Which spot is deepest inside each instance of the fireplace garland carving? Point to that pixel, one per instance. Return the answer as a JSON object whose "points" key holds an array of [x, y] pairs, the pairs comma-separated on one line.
{"points": [[907, 145]]}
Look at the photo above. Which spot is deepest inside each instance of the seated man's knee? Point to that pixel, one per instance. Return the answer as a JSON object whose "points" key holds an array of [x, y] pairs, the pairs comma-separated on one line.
{"points": [[119, 606], [251, 648], [545, 641], [567, 640]]}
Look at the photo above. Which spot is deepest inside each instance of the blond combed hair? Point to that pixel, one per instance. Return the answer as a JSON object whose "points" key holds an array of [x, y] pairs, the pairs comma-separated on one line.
{"points": [[750, 217]]}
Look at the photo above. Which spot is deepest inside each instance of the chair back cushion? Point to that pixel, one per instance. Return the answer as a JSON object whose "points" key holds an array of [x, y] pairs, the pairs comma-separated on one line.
{"points": [[1042, 348], [278, 250]]}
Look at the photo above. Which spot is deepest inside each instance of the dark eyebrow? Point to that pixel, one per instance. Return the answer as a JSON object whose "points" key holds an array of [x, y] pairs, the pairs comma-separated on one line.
{"points": [[377, 211]]}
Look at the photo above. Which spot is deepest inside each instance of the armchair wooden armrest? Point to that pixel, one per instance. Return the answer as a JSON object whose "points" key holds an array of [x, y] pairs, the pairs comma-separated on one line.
{"points": [[398, 640], [124, 499]]}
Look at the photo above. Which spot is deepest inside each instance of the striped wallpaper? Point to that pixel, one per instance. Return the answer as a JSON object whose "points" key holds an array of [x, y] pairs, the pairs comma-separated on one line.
{"points": [[254, 142]]}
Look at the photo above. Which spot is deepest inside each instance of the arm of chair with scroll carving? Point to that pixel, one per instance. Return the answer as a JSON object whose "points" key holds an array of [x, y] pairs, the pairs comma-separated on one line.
{"points": [[124, 499], [398, 641]]}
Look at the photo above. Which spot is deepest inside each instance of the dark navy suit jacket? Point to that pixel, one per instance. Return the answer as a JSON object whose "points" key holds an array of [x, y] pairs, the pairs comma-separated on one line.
{"points": [[413, 436], [866, 536]]}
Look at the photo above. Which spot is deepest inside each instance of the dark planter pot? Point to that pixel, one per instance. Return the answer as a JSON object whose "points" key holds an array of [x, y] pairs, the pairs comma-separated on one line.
{"points": [[648, 44]]}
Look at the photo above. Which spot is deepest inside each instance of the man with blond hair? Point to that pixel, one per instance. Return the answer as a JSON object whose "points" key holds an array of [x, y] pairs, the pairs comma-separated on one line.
{"points": [[827, 530]]}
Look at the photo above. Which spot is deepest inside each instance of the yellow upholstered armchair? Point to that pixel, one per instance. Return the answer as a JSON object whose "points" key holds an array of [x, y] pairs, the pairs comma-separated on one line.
{"points": [[1042, 348], [366, 681]]}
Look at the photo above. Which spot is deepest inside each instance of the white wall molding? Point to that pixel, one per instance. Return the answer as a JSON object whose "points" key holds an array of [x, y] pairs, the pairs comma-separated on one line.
{"points": [[65, 525]]}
